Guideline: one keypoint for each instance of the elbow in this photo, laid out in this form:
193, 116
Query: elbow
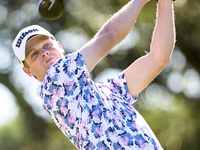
162, 56
163, 61
113, 34
113, 38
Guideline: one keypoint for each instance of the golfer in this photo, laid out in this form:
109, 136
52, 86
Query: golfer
98, 116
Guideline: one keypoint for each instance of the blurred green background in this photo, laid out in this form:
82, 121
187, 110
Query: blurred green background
170, 104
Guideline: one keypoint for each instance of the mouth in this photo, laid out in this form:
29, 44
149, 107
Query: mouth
48, 60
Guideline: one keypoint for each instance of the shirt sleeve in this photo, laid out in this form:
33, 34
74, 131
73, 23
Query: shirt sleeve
76, 68
119, 84
71, 67
66, 77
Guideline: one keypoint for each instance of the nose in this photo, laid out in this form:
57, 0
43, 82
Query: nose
45, 53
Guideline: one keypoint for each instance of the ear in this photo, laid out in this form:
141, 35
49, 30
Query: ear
27, 71
60, 46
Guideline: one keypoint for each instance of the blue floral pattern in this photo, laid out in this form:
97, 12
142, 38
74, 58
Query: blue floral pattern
94, 116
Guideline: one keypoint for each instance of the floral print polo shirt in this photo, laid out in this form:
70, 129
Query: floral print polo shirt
94, 116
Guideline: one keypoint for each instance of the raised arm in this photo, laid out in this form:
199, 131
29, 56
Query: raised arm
111, 33
145, 69
163, 40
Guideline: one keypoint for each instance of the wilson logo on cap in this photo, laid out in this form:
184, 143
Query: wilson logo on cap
23, 35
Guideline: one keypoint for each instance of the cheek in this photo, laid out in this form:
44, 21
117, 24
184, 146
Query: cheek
35, 70
35, 66
60, 50
59, 54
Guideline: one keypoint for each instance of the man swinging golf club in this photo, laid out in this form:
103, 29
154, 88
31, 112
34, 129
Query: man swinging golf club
98, 116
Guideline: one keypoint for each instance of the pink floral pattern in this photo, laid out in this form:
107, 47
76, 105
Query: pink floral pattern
94, 116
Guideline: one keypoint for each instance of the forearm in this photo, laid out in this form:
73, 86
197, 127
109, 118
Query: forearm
163, 40
122, 22
111, 33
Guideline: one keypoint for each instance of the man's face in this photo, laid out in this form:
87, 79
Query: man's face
41, 53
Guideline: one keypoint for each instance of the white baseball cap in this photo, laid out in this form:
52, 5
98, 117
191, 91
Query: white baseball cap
19, 44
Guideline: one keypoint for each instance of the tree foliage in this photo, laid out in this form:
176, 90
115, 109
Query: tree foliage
170, 104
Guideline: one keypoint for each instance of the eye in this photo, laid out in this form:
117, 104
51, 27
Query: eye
47, 45
34, 54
